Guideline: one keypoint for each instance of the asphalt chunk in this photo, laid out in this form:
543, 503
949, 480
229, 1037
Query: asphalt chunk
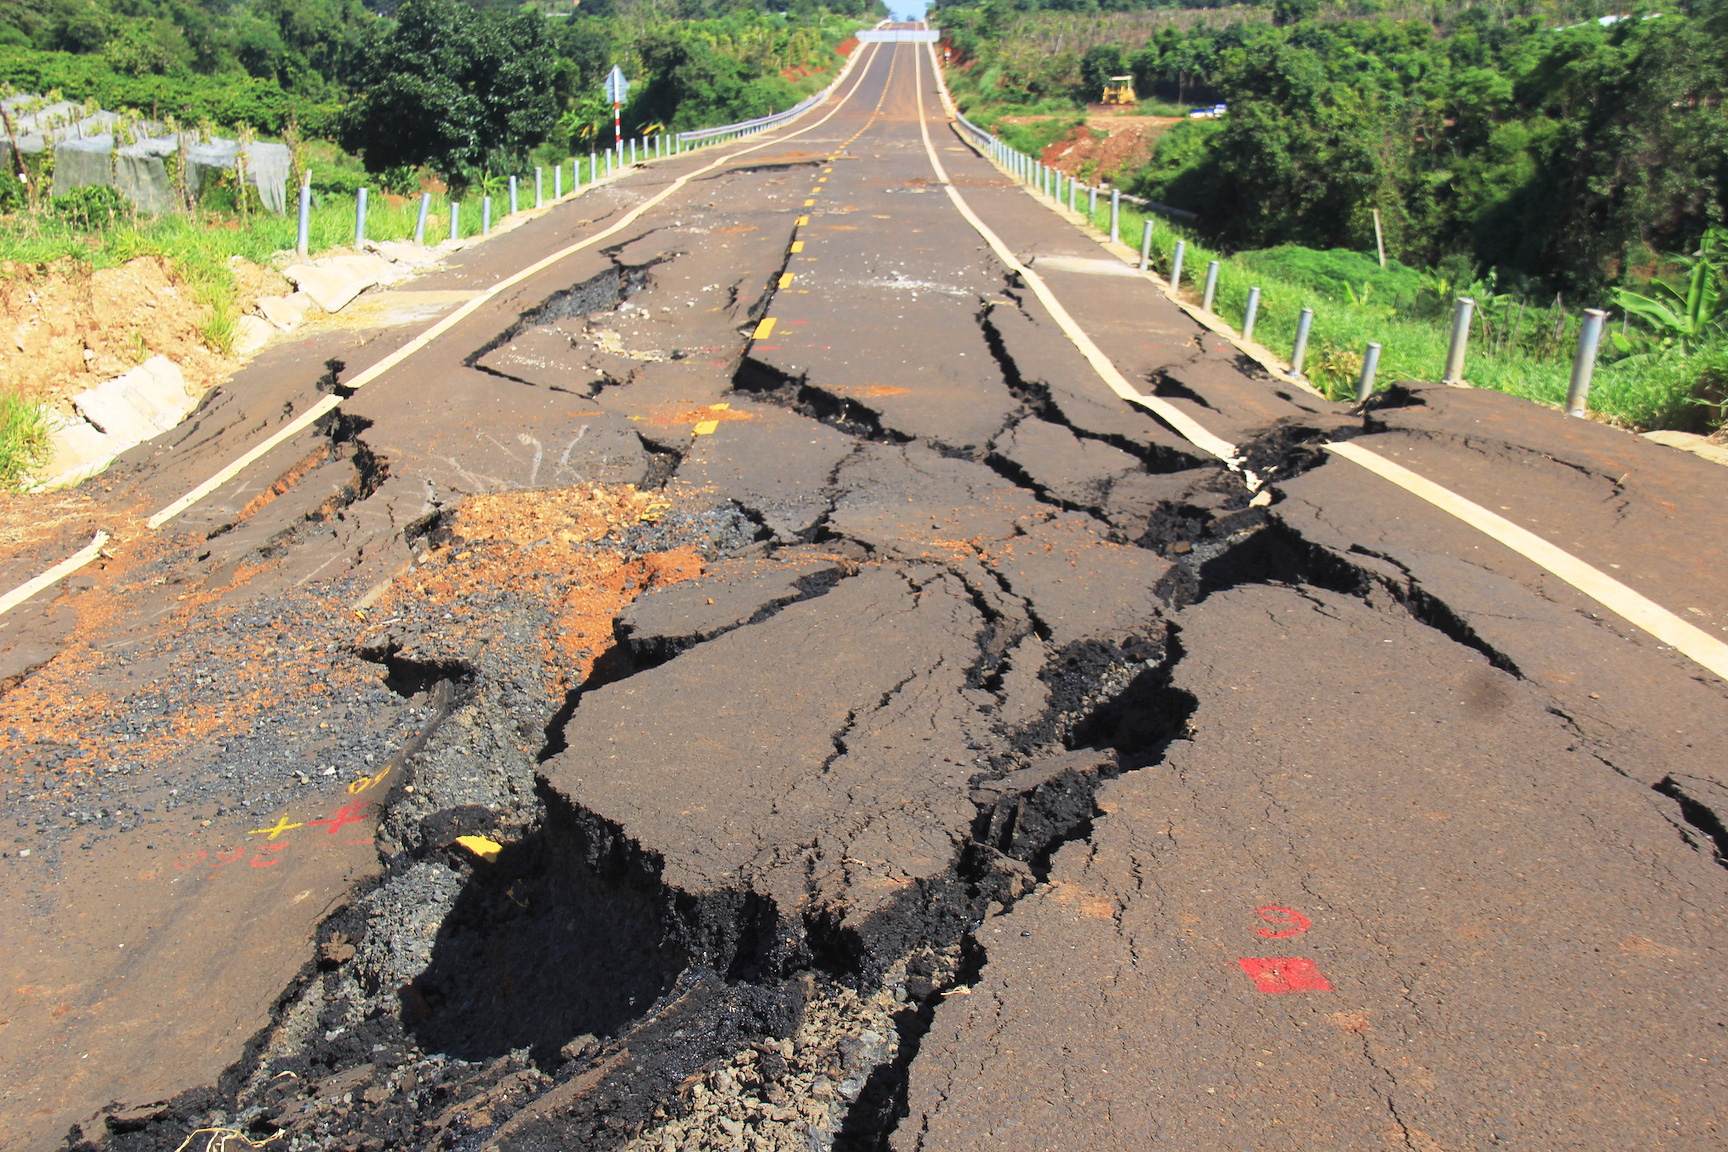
1377, 899
759, 773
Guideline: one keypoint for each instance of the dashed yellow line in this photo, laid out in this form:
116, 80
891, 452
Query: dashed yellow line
785, 279
797, 247
764, 329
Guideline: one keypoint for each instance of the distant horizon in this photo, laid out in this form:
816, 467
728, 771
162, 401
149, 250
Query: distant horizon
908, 10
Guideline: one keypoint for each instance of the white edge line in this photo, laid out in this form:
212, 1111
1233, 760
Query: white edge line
24, 591
1633, 607
1185, 425
468, 309
55, 574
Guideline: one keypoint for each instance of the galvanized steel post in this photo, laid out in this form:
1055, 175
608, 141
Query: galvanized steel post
1176, 264
1370, 365
539, 187
1299, 353
1073, 194
1145, 245
1454, 373
1115, 215
1249, 313
558, 182
1091, 202
455, 220
512, 195
1584, 362
420, 223
632, 151
360, 218
486, 216
1211, 286
304, 235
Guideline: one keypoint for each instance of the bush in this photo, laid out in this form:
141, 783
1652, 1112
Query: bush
11, 192
91, 208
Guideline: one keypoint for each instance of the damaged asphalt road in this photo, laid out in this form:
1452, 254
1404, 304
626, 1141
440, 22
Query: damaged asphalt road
754, 687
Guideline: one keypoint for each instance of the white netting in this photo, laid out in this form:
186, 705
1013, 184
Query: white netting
93, 147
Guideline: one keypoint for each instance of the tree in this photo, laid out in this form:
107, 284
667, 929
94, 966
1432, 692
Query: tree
1097, 66
458, 90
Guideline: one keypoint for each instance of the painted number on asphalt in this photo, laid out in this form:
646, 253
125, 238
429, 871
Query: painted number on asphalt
1286, 921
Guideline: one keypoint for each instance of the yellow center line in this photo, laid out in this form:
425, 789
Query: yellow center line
305, 420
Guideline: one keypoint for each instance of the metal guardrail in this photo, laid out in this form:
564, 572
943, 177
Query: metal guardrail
1025, 169
761, 123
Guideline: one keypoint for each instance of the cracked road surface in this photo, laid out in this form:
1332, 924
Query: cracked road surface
752, 684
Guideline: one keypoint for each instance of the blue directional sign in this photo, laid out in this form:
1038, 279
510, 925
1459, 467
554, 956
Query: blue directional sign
617, 88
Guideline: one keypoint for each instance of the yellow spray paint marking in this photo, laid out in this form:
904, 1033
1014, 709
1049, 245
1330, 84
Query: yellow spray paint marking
808, 203
785, 279
282, 826
365, 782
801, 221
723, 406
706, 428
797, 245
830, 169
486, 849
764, 329
822, 180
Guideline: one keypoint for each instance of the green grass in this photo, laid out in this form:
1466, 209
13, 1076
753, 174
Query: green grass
23, 439
1413, 332
200, 246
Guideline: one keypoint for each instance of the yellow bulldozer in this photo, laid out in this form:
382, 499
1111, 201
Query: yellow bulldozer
1120, 90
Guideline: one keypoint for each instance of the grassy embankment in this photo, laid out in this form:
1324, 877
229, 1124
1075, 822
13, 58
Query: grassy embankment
1522, 350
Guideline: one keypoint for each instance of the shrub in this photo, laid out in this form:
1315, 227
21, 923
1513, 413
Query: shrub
91, 208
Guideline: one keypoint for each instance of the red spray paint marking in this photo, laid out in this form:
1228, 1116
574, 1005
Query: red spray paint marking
348, 815
1284, 974
1290, 922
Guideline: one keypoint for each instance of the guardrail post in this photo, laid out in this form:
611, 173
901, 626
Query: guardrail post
455, 220
1299, 353
360, 218
1211, 286
1115, 215
558, 181
1454, 373
608, 163
593, 167
1145, 245
1176, 265
512, 195
486, 216
539, 187
1073, 194
304, 235
1249, 313
1370, 365
1091, 203
1584, 362
420, 223
632, 151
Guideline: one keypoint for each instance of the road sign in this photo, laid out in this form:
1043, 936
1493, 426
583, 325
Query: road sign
617, 88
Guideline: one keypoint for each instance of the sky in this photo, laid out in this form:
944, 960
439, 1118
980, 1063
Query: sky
907, 9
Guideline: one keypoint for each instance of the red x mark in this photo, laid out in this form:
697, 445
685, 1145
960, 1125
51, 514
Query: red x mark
1284, 974
348, 815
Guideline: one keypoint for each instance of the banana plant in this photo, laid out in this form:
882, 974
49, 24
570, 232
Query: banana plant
1683, 319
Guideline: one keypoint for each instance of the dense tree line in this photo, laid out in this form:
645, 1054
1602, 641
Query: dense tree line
1559, 149
468, 87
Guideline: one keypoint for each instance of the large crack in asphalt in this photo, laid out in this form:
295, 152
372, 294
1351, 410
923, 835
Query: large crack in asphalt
561, 994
